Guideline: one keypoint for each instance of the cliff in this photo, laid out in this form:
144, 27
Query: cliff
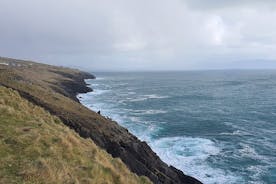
55, 89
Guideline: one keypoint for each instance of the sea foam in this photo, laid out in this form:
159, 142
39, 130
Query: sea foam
190, 155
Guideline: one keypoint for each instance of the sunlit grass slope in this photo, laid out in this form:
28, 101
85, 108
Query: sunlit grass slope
36, 147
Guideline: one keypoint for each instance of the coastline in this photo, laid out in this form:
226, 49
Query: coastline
55, 89
186, 179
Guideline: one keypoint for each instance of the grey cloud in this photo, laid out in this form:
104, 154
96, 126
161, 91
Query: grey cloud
139, 34
224, 4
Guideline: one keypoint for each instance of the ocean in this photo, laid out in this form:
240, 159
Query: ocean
218, 126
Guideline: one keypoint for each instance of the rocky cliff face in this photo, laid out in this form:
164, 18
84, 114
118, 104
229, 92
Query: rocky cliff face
55, 89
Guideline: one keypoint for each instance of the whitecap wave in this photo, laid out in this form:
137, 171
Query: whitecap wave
137, 99
146, 97
257, 173
131, 93
94, 84
99, 78
99, 91
190, 155
236, 132
154, 96
148, 112
249, 152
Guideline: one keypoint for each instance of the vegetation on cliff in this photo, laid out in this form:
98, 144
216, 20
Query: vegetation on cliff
36, 147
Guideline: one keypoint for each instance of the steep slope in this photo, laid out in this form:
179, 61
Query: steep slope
36, 147
54, 88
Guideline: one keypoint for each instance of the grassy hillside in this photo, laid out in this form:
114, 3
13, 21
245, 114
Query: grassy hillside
36, 147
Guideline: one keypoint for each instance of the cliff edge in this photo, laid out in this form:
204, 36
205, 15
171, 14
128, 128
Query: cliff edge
55, 89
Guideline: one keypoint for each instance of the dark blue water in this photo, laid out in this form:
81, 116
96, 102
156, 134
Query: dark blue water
219, 126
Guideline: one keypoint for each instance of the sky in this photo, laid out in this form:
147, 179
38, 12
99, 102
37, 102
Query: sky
127, 35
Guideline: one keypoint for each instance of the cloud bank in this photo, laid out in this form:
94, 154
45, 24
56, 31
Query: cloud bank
141, 34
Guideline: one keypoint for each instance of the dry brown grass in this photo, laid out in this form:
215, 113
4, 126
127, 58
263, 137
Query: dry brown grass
35, 147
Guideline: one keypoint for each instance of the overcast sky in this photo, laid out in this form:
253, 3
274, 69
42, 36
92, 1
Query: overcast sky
141, 34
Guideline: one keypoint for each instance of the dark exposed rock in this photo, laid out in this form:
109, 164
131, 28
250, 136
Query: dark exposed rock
75, 85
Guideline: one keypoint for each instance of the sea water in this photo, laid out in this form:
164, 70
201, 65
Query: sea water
218, 126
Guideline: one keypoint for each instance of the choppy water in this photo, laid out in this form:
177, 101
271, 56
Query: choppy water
219, 126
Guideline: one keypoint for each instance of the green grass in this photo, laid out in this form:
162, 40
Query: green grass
36, 147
